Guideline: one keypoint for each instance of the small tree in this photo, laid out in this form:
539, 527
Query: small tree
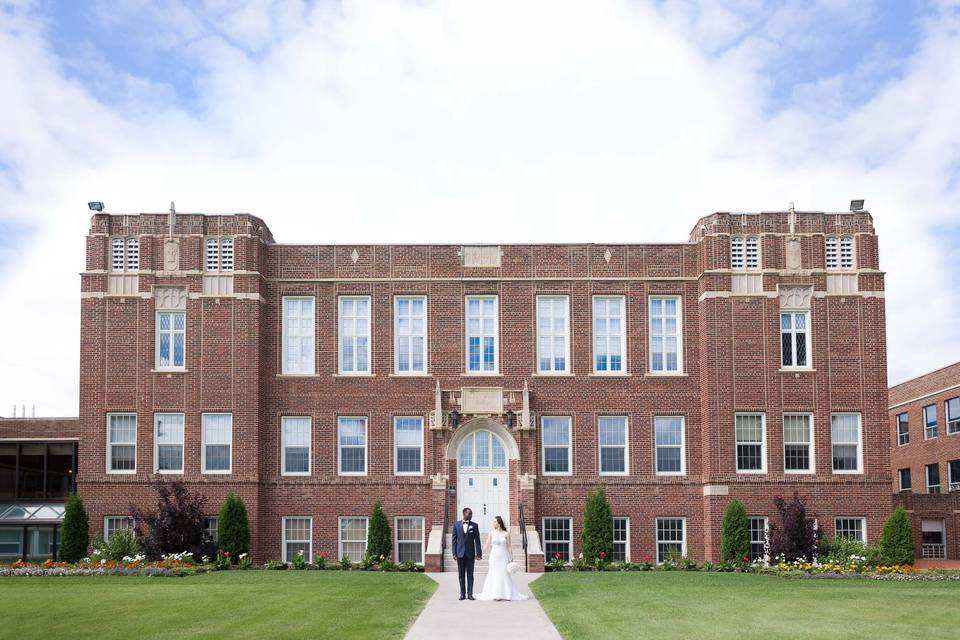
735, 533
378, 535
233, 527
178, 524
896, 541
796, 536
597, 537
75, 532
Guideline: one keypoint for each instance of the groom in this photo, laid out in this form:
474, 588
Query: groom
466, 549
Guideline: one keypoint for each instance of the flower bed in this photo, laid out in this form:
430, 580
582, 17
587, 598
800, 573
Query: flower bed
136, 566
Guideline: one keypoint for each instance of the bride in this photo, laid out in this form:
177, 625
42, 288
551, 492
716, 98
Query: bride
499, 585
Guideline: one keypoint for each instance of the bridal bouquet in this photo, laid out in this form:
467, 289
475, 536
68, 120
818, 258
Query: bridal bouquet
513, 567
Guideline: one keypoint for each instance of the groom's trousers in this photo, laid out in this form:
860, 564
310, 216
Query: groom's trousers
465, 570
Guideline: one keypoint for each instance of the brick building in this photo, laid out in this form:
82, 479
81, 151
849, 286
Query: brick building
925, 458
747, 362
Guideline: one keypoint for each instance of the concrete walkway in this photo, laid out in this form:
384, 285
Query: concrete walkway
447, 617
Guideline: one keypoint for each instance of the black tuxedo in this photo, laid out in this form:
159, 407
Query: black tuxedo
466, 549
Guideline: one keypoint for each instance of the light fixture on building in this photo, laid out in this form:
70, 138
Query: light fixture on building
95, 206
454, 419
510, 417
856, 205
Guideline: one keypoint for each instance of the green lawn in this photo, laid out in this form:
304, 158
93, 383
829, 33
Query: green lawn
235, 604
742, 606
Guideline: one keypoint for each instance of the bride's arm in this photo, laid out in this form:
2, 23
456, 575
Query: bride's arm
486, 548
509, 549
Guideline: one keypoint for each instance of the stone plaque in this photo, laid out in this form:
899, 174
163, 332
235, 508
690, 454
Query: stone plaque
171, 254
482, 400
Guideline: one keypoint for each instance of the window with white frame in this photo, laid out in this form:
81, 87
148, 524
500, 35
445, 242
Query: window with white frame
953, 415
217, 445
671, 539
906, 482
839, 253
121, 443
297, 538
666, 336
621, 540
609, 334
798, 443
352, 435
125, 255
845, 438
612, 438
669, 445
482, 450
933, 477
353, 538
795, 339
850, 529
298, 333
219, 254
112, 524
409, 539
758, 538
953, 474
930, 422
410, 334
171, 339
751, 442
553, 344
354, 335
408, 446
295, 445
211, 528
558, 539
903, 429
556, 445
744, 253
168, 442
482, 321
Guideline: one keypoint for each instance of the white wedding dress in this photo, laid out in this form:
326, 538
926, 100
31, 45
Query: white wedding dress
499, 584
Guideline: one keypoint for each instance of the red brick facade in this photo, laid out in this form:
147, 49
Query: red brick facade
730, 348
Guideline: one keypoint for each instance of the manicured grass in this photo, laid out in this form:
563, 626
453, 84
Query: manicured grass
743, 606
235, 604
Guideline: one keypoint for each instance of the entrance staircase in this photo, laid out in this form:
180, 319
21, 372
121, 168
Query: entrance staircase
516, 543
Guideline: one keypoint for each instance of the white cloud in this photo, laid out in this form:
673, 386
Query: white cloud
450, 121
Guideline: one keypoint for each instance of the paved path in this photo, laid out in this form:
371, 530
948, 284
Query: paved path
447, 617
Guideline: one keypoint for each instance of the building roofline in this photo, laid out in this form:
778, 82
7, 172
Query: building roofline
924, 375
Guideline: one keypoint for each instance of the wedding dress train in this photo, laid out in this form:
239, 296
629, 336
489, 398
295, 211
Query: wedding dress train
499, 584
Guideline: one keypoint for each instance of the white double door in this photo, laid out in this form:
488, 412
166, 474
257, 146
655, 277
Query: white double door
487, 493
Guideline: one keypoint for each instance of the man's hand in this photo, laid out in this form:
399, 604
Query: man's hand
480, 557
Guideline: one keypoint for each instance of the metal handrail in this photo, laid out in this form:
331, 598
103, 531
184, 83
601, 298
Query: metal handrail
523, 539
446, 524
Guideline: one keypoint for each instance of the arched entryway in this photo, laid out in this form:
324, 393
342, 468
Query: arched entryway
483, 451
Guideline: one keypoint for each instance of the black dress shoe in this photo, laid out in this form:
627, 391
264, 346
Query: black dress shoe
463, 597
470, 597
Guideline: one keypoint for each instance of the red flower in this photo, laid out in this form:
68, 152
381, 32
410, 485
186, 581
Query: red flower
647, 558
603, 554
323, 555
226, 554
746, 558
557, 555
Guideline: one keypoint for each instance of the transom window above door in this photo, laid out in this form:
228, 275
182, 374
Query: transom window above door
482, 450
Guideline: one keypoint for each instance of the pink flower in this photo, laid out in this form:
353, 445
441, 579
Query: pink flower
557, 555
603, 555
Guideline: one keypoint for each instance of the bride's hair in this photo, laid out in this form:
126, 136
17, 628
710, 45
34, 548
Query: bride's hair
500, 523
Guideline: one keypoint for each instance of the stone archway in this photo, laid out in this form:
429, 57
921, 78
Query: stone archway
483, 449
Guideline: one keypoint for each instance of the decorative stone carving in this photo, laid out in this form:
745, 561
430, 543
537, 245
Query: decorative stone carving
481, 256
439, 481
354, 256
436, 416
795, 297
487, 400
607, 255
527, 482
170, 298
526, 418
794, 254
171, 254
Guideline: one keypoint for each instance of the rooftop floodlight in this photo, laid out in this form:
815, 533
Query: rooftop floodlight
95, 206
856, 205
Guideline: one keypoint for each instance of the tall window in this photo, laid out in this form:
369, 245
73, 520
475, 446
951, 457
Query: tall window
353, 538
930, 422
798, 443
410, 334
609, 335
354, 334
125, 255
758, 539
297, 538
612, 432
850, 528
482, 349
953, 415
556, 445
744, 253
409, 539
621, 540
668, 435
845, 434
933, 478
168, 442
219, 254
112, 524
295, 433
353, 446
408, 446
211, 527
795, 339
903, 429
666, 337
298, 327
553, 346
953, 474
217, 434
121, 443
557, 538
671, 539
905, 480
751, 442
171, 339
839, 253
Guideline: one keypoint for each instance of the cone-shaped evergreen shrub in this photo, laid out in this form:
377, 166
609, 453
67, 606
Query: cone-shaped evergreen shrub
75, 532
735, 533
378, 535
233, 528
597, 527
896, 542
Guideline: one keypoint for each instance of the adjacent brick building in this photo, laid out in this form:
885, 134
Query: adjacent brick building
312, 380
925, 458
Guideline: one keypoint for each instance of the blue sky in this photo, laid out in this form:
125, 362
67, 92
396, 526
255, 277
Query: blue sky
394, 121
